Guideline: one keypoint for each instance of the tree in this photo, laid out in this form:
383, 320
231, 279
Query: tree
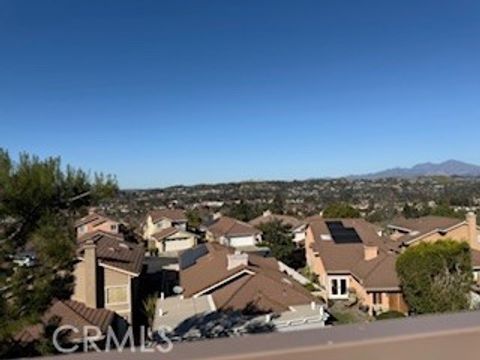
149, 308
243, 211
40, 198
279, 238
340, 210
194, 219
278, 204
436, 277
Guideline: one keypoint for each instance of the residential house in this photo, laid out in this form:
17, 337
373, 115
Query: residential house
96, 222
409, 232
297, 227
166, 231
158, 220
239, 281
354, 262
107, 273
352, 259
173, 239
232, 232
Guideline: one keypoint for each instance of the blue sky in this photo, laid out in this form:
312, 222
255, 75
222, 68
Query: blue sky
183, 92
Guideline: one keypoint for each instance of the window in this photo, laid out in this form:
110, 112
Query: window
377, 298
116, 295
113, 227
338, 287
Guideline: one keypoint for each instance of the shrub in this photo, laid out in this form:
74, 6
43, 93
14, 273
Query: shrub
390, 315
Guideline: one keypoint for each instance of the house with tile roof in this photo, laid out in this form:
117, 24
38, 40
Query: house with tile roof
157, 220
409, 232
354, 262
96, 222
239, 281
107, 273
166, 230
297, 227
232, 232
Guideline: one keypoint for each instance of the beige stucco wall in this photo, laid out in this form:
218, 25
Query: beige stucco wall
460, 233
79, 286
116, 278
179, 241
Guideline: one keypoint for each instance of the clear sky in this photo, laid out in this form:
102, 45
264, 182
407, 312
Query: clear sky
182, 92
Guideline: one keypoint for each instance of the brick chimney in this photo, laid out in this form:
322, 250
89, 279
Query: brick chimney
472, 230
90, 266
370, 252
236, 259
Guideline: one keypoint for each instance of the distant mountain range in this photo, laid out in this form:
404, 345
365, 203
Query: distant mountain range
447, 168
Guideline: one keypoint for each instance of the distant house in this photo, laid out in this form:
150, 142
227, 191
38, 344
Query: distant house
96, 222
353, 262
73, 314
232, 232
158, 220
166, 230
297, 227
173, 239
407, 232
239, 281
107, 273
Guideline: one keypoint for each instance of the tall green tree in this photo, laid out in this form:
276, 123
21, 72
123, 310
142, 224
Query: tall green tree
279, 238
38, 201
436, 277
340, 210
243, 211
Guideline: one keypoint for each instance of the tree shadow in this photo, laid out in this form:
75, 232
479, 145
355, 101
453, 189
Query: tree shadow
224, 323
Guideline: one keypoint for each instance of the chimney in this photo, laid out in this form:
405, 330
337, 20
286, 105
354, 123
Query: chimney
217, 215
370, 252
236, 259
472, 230
90, 264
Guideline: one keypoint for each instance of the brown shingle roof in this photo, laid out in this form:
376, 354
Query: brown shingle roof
171, 214
423, 225
113, 251
227, 226
164, 233
260, 283
71, 313
284, 219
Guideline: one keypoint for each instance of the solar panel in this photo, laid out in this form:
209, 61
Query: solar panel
189, 257
342, 234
